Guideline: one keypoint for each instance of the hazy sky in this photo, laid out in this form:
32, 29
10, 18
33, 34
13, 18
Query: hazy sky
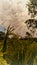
14, 12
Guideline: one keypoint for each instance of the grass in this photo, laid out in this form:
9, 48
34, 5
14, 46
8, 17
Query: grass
21, 51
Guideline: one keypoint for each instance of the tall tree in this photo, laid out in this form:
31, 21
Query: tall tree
32, 7
32, 10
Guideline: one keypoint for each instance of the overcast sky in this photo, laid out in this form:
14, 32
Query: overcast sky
14, 12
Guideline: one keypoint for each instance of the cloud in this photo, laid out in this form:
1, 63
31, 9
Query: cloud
15, 13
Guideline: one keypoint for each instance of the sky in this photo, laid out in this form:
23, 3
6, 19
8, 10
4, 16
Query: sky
14, 12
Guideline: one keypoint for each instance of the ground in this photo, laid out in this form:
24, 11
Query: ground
23, 51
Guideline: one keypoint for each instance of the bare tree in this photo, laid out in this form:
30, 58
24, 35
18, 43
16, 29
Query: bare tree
9, 31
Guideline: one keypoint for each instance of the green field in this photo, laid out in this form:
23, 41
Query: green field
19, 52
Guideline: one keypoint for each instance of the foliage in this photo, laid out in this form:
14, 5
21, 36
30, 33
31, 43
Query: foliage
32, 7
3, 61
32, 26
32, 23
20, 51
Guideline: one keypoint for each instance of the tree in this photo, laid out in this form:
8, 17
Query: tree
32, 22
32, 7
9, 31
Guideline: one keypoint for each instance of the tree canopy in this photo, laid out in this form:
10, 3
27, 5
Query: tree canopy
32, 22
32, 7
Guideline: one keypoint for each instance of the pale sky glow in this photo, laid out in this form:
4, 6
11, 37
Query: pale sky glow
14, 12
21, 3
10, 9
